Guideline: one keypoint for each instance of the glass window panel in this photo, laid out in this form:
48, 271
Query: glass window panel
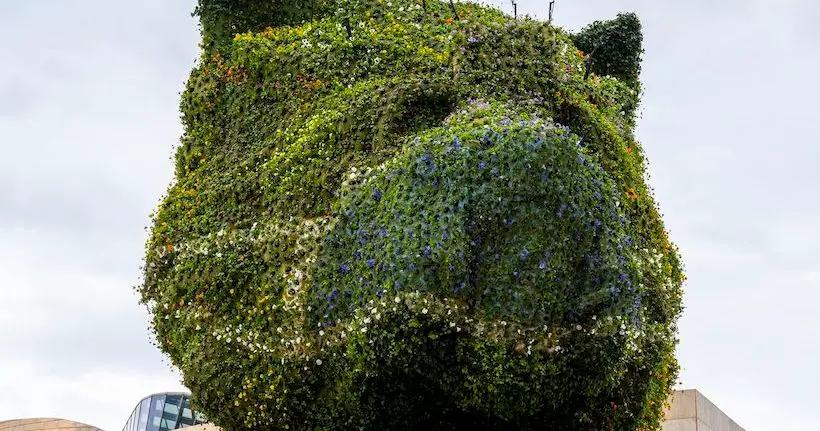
142, 423
159, 402
170, 416
133, 418
186, 413
155, 422
172, 408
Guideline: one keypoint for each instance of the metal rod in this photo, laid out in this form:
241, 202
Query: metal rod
515, 9
453, 7
552, 6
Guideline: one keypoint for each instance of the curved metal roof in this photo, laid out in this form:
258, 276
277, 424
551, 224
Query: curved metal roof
45, 424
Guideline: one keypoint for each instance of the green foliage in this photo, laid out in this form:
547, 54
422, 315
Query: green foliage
614, 47
427, 223
222, 19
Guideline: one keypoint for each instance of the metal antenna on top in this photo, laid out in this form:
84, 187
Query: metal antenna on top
552, 7
515, 9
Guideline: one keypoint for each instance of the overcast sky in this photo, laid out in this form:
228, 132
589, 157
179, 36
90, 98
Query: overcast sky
89, 116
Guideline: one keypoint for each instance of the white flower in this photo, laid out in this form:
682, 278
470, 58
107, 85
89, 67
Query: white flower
318, 362
423, 311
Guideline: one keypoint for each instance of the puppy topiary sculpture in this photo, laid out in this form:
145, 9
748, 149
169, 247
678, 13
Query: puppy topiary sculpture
387, 216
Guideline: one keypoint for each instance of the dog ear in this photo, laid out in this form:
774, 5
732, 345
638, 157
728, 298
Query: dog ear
221, 20
613, 47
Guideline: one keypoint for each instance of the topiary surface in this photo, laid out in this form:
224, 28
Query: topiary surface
385, 217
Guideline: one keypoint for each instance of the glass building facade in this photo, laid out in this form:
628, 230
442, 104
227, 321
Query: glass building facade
163, 412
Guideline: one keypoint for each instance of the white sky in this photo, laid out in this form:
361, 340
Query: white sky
88, 117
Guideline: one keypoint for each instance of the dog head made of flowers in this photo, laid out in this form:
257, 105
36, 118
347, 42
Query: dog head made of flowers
413, 215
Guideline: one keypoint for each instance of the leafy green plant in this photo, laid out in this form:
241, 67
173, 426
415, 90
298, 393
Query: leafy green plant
390, 216
613, 47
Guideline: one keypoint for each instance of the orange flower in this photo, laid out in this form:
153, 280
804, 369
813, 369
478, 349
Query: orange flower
449, 20
632, 195
628, 149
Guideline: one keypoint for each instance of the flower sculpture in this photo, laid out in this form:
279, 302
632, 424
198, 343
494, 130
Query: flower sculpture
388, 215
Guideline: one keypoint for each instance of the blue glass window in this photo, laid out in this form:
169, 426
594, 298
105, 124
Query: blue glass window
163, 412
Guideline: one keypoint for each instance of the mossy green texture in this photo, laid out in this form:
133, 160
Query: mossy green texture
389, 217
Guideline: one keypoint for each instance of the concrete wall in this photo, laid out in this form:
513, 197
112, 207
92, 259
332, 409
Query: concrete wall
691, 411
45, 424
